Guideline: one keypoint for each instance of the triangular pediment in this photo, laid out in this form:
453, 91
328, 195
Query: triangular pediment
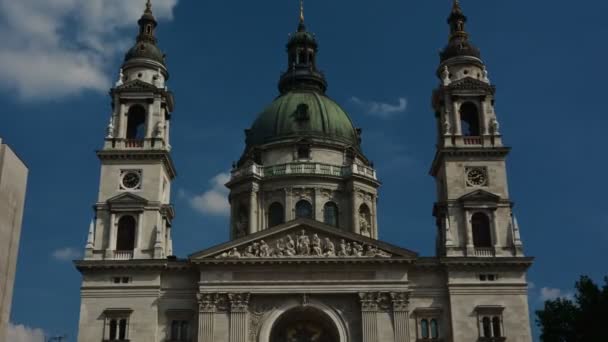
480, 196
303, 239
470, 83
137, 84
127, 199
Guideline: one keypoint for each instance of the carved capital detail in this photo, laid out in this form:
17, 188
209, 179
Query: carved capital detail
206, 302
401, 301
369, 301
239, 302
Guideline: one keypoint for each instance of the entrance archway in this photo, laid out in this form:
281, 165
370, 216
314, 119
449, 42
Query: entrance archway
304, 324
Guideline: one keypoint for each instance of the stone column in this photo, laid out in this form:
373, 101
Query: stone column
239, 308
206, 317
355, 212
469, 228
318, 205
456, 111
112, 236
369, 316
495, 232
401, 316
253, 204
374, 231
150, 119
289, 205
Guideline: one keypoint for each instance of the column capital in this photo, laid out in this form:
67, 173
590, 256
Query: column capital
401, 301
369, 301
239, 302
206, 302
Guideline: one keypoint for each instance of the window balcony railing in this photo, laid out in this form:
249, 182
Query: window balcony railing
123, 255
472, 140
134, 143
304, 169
484, 251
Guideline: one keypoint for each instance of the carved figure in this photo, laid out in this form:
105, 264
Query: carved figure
160, 130
316, 246
290, 246
121, 78
279, 249
357, 249
330, 248
370, 251
264, 249
447, 128
445, 76
364, 225
249, 252
234, 253
486, 78
342, 249
303, 244
495, 126
110, 129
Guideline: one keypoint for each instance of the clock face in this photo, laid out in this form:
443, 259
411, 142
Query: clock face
131, 180
477, 177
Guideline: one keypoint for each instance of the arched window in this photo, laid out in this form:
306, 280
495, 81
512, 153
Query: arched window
136, 120
487, 329
496, 327
434, 329
365, 220
330, 214
125, 240
469, 119
424, 328
302, 57
481, 230
304, 210
276, 215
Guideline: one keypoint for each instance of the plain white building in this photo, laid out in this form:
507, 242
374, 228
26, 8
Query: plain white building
304, 262
13, 181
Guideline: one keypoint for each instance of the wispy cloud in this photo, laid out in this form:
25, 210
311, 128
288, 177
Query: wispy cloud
66, 254
215, 200
381, 109
549, 293
57, 48
21, 333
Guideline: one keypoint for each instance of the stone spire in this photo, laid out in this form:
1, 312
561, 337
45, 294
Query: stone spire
302, 72
458, 44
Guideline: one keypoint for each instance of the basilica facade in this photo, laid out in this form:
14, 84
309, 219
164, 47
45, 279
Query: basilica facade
304, 262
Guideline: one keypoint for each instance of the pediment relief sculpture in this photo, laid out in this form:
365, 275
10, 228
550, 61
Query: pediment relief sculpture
304, 245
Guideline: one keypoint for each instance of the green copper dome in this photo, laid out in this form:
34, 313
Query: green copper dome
146, 50
300, 114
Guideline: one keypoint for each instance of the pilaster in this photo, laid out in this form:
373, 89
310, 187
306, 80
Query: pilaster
369, 316
239, 309
206, 317
401, 316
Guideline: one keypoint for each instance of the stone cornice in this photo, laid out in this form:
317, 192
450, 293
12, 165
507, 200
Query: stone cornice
484, 152
150, 264
157, 155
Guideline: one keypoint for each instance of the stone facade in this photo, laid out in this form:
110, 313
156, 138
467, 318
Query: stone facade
13, 180
304, 262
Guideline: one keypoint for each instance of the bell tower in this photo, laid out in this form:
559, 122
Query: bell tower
473, 211
133, 213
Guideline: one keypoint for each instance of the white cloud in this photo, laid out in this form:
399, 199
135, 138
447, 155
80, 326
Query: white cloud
381, 109
57, 48
66, 254
215, 200
548, 293
21, 333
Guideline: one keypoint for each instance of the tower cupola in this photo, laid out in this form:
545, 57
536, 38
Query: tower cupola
146, 47
459, 44
302, 72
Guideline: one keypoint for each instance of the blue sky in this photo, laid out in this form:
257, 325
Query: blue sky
59, 57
